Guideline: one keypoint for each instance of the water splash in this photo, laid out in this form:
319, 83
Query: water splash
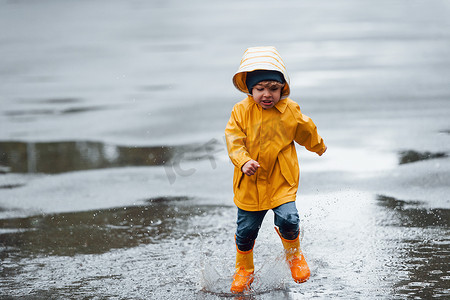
272, 276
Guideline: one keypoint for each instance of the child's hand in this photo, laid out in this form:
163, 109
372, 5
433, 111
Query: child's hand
250, 167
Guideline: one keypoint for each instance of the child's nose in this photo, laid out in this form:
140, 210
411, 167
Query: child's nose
267, 93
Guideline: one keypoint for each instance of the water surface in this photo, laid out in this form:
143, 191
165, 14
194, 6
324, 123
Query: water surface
114, 177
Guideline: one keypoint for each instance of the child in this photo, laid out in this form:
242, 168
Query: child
260, 139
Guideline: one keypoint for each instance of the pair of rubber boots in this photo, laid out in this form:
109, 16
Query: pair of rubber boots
243, 276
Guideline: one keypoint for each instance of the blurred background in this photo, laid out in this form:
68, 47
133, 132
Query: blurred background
114, 176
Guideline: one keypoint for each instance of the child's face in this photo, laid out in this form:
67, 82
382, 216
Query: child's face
267, 93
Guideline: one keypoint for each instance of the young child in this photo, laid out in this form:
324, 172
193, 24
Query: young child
260, 139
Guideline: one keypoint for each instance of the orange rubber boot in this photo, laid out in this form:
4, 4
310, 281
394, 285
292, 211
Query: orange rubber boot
295, 258
243, 276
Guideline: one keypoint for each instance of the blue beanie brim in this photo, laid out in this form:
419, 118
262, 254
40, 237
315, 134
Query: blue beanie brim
253, 78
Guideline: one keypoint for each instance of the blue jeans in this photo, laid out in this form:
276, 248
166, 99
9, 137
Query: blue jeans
249, 222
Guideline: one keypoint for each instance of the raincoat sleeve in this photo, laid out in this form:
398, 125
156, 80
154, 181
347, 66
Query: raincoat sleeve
306, 133
235, 137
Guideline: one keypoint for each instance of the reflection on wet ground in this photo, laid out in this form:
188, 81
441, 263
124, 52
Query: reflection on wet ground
141, 251
59, 157
425, 249
93, 232
413, 156
21, 113
427, 264
10, 186
59, 106
143, 247
409, 213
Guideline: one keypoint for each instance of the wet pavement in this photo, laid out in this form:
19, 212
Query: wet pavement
114, 177
68, 156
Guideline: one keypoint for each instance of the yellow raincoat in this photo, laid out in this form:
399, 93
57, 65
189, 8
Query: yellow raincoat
267, 136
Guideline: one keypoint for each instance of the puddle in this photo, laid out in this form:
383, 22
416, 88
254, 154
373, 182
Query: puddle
32, 112
53, 106
391, 202
11, 186
424, 248
426, 262
97, 231
60, 157
139, 252
411, 214
410, 156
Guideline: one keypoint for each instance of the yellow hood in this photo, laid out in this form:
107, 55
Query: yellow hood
260, 58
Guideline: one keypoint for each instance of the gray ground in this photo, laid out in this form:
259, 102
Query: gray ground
114, 177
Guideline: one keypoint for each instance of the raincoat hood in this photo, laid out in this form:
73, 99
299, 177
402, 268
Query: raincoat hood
260, 58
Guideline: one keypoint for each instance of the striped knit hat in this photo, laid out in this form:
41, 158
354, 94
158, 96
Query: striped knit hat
260, 58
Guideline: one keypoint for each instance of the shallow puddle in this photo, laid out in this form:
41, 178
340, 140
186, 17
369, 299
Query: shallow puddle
411, 156
67, 254
60, 157
425, 247
176, 248
412, 214
94, 232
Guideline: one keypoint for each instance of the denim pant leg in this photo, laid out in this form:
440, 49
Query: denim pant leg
248, 225
287, 220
